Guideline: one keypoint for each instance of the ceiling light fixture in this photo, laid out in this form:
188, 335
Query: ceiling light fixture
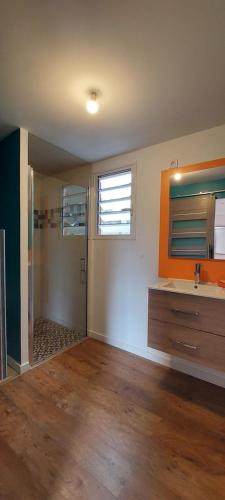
92, 105
177, 176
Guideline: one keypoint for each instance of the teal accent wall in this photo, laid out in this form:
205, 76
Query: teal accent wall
10, 221
188, 189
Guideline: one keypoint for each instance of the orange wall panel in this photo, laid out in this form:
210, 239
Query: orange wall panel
212, 270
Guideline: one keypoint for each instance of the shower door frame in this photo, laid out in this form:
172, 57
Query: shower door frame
31, 263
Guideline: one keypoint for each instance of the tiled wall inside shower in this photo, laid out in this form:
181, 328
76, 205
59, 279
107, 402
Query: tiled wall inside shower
50, 218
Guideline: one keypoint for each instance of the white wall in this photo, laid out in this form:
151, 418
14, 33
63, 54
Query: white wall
120, 271
78, 175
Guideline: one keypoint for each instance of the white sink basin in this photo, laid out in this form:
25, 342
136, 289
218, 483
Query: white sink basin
189, 287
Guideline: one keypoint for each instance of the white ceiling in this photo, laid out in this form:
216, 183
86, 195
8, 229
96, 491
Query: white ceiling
46, 158
159, 65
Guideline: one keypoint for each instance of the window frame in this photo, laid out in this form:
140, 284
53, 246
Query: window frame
132, 235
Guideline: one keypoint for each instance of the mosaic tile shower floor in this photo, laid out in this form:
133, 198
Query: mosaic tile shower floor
50, 337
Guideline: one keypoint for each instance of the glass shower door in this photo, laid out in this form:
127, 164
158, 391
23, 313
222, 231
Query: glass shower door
59, 267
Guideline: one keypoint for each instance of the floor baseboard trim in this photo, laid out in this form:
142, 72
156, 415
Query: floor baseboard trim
19, 368
193, 369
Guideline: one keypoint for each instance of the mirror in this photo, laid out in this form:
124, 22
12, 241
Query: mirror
197, 214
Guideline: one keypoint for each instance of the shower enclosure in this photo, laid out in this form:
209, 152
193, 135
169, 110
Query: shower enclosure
57, 264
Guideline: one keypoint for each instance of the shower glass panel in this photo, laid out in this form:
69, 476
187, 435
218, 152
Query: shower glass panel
59, 265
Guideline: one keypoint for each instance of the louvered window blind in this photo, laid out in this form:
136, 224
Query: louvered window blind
114, 204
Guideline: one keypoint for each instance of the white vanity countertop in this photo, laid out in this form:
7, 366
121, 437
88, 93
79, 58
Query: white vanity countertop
188, 287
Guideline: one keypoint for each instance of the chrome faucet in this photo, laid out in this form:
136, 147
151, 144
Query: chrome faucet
197, 274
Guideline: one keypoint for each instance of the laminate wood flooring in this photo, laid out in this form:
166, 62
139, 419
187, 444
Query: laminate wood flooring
97, 423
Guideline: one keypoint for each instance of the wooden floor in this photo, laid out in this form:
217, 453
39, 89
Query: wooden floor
97, 423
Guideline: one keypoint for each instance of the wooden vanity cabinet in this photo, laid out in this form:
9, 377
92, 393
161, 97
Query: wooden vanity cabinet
188, 326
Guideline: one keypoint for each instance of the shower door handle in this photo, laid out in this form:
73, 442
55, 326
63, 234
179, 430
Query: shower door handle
3, 348
83, 271
83, 268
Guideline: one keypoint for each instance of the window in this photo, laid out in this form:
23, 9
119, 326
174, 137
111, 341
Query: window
74, 211
114, 203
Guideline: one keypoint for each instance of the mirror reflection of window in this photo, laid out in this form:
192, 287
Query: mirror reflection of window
74, 211
197, 214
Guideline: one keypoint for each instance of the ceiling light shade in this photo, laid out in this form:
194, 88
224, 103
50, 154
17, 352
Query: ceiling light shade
177, 176
92, 105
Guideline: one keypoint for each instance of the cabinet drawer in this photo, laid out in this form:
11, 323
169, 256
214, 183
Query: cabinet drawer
200, 313
187, 343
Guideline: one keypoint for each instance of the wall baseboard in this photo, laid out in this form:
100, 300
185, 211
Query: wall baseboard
17, 366
188, 367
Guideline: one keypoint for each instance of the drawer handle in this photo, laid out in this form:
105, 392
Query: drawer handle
183, 344
182, 311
